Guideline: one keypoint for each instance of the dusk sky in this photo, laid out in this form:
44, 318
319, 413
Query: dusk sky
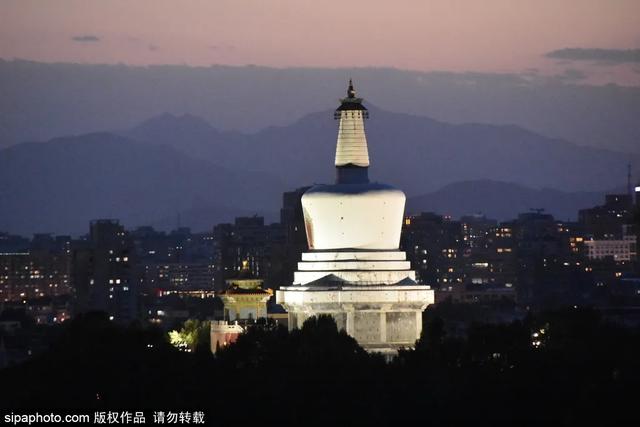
485, 36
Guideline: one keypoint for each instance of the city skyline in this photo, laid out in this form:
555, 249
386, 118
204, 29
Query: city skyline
363, 212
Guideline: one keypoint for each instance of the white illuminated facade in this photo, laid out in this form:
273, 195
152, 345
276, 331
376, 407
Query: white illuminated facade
618, 250
351, 148
354, 270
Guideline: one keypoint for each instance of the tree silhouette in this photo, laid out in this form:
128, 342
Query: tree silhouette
582, 374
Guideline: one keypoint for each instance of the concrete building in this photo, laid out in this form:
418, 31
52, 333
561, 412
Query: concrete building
25, 276
103, 269
185, 278
248, 239
606, 221
620, 250
470, 261
10, 244
354, 270
435, 246
611, 229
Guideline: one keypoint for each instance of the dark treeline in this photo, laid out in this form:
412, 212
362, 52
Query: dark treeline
567, 367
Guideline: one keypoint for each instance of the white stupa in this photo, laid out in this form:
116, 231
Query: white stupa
354, 270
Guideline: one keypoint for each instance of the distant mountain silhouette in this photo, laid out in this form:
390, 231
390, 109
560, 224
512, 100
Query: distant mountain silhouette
501, 200
417, 154
60, 185
188, 133
40, 101
172, 165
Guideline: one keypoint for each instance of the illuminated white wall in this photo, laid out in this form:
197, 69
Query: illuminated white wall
367, 219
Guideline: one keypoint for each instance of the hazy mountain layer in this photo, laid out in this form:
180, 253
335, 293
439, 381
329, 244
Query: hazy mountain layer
60, 185
181, 166
415, 153
40, 101
501, 200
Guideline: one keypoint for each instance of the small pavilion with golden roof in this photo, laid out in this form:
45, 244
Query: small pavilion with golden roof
244, 301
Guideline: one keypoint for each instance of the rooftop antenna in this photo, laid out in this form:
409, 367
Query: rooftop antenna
629, 189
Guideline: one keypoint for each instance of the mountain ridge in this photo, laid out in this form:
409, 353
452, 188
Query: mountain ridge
60, 185
172, 165
436, 152
502, 200
252, 98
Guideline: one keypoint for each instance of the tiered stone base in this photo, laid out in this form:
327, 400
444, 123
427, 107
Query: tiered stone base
372, 295
356, 267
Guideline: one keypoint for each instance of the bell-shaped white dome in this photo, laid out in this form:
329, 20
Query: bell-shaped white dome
353, 216
353, 213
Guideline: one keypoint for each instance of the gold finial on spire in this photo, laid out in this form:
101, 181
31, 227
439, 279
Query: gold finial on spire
351, 93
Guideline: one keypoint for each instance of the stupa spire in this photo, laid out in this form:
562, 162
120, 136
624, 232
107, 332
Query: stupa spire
351, 147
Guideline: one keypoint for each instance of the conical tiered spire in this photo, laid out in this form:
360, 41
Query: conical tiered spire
351, 148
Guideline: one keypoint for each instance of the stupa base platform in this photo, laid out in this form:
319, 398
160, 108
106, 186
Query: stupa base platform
382, 318
364, 267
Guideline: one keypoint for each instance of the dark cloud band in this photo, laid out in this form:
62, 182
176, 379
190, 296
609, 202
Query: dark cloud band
613, 56
86, 38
